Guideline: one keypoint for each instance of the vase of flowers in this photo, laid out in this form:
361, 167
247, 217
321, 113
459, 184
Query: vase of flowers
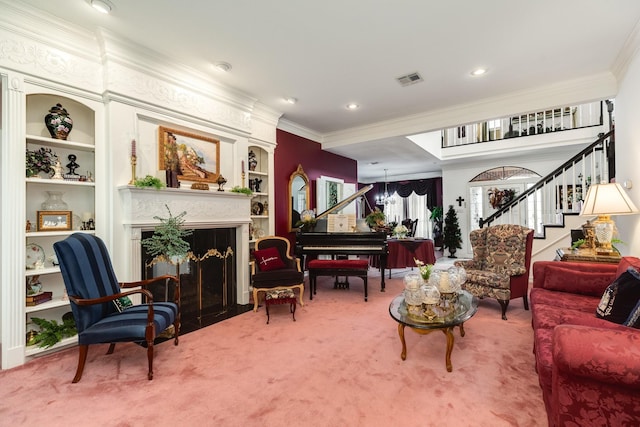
307, 221
40, 160
58, 122
400, 231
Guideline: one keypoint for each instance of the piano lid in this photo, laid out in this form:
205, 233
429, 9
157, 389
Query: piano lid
343, 203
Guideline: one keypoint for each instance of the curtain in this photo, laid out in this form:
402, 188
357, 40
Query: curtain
417, 208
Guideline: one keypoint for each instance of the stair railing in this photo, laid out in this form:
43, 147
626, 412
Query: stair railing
561, 191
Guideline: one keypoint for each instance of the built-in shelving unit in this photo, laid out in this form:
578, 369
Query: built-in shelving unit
260, 209
78, 194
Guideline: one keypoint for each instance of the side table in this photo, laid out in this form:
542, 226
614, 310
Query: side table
567, 254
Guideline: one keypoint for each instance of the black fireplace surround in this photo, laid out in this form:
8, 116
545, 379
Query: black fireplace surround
207, 283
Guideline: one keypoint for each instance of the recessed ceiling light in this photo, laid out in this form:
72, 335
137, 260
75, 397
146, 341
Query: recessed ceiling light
290, 100
352, 106
222, 66
478, 71
102, 6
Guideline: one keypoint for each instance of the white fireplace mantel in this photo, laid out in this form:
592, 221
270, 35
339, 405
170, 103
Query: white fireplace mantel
204, 209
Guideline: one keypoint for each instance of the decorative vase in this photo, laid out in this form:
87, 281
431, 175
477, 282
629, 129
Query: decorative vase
54, 202
58, 122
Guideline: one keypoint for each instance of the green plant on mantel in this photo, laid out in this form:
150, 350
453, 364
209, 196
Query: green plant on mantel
243, 190
149, 181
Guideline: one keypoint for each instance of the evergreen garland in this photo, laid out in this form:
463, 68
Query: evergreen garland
168, 238
452, 236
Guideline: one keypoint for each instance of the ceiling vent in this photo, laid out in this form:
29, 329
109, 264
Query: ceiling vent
409, 79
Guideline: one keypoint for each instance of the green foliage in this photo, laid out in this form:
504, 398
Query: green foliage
578, 243
52, 332
149, 181
168, 238
436, 213
41, 160
375, 218
243, 190
452, 235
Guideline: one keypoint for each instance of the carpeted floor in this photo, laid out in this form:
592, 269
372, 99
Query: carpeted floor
337, 365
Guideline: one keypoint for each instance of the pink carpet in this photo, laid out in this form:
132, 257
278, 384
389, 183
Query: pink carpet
337, 365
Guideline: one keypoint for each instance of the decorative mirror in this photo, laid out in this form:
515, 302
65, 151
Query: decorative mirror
298, 196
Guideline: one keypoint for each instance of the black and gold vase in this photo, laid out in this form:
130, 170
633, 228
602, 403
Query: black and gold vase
58, 122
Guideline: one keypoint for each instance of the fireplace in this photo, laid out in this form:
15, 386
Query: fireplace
207, 277
214, 286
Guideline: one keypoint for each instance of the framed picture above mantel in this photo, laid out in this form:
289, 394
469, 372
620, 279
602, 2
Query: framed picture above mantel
192, 156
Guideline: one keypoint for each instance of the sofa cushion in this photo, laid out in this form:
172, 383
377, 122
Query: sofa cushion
620, 298
268, 259
549, 317
585, 283
566, 300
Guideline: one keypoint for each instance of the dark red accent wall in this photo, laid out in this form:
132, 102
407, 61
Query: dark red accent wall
293, 150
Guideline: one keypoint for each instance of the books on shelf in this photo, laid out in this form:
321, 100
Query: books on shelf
39, 298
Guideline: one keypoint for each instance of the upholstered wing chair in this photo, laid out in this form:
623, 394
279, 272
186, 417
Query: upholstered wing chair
500, 265
101, 314
274, 268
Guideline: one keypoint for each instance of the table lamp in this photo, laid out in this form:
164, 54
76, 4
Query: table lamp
605, 200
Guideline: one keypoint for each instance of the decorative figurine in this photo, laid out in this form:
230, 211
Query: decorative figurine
253, 160
72, 165
57, 168
221, 182
256, 184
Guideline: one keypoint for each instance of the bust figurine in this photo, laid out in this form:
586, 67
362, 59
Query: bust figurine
72, 165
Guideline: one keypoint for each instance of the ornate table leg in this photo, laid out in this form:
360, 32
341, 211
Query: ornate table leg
461, 329
403, 355
449, 333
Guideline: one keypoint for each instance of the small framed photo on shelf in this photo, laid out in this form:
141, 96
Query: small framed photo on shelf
54, 220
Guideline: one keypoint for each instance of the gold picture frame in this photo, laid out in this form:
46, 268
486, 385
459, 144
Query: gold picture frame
54, 221
194, 157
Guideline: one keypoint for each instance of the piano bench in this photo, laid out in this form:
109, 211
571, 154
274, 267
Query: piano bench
337, 268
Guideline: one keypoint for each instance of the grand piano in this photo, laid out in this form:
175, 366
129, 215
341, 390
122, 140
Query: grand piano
322, 242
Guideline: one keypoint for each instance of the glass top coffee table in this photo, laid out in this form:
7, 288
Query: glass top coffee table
463, 307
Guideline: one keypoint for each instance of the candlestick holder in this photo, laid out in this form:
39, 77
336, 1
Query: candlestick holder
243, 175
133, 170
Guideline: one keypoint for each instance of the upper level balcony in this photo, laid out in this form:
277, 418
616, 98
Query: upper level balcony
526, 124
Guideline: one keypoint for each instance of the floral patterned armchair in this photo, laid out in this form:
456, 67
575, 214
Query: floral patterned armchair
500, 265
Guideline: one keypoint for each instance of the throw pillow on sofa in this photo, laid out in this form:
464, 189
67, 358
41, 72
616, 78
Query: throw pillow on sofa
558, 278
620, 298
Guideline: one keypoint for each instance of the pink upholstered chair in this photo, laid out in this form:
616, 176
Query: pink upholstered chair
500, 265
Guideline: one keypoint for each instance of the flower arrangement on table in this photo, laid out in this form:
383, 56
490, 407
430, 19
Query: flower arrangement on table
40, 160
424, 269
400, 231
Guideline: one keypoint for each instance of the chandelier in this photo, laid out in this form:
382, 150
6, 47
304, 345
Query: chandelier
385, 199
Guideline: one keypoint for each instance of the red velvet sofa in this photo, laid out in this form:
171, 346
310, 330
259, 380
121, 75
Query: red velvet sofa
588, 367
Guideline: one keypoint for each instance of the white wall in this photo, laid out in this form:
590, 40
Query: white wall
627, 114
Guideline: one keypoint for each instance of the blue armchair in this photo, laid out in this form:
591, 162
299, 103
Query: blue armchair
95, 296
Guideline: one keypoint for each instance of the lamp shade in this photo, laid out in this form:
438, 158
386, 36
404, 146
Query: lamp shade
607, 199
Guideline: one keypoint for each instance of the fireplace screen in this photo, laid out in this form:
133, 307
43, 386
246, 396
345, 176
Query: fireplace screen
207, 277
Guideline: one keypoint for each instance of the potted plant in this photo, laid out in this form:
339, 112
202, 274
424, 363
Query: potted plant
452, 239
242, 190
375, 219
40, 160
167, 244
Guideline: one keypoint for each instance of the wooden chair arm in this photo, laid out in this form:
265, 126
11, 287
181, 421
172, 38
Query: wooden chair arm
146, 282
108, 298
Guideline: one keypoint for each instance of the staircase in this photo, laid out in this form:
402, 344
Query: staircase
551, 206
